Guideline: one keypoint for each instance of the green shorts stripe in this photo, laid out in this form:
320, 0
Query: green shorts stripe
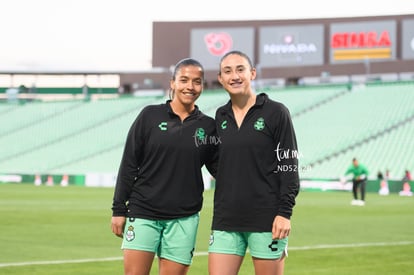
260, 244
169, 239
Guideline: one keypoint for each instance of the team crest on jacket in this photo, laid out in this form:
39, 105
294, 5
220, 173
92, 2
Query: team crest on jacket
130, 234
259, 125
200, 134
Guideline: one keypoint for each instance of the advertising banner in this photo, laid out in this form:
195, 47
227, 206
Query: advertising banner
363, 41
209, 45
407, 39
291, 46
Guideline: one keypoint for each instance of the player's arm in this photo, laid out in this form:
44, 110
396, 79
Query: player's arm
127, 175
118, 225
288, 181
280, 228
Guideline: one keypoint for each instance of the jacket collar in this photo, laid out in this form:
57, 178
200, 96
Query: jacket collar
260, 100
196, 110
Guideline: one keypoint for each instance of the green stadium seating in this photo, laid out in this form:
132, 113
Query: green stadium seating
374, 123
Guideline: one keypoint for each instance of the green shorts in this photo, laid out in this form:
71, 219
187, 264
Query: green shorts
260, 244
169, 239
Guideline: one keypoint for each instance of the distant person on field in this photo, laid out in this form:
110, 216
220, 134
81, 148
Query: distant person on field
407, 176
383, 183
406, 187
359, 180
159, 189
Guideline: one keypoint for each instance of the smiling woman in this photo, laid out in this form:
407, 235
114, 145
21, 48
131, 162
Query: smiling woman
159, 187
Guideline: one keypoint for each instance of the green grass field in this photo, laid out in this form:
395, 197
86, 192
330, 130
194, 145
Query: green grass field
66, 230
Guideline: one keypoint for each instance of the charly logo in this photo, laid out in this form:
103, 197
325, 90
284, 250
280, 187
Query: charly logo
273, 246
130, 234
163, 126
224, 125
259, 125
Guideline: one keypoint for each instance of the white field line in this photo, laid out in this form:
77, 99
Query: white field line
205, 253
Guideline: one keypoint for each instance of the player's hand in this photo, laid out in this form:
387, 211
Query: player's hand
281, 228
118, 225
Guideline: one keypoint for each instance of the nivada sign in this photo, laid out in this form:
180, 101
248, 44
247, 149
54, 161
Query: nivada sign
291, 45
408, 39
361, 41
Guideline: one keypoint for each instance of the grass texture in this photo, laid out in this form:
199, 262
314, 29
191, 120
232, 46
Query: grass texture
66, 230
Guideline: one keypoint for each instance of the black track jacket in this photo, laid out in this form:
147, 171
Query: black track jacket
257, 175
160, 172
